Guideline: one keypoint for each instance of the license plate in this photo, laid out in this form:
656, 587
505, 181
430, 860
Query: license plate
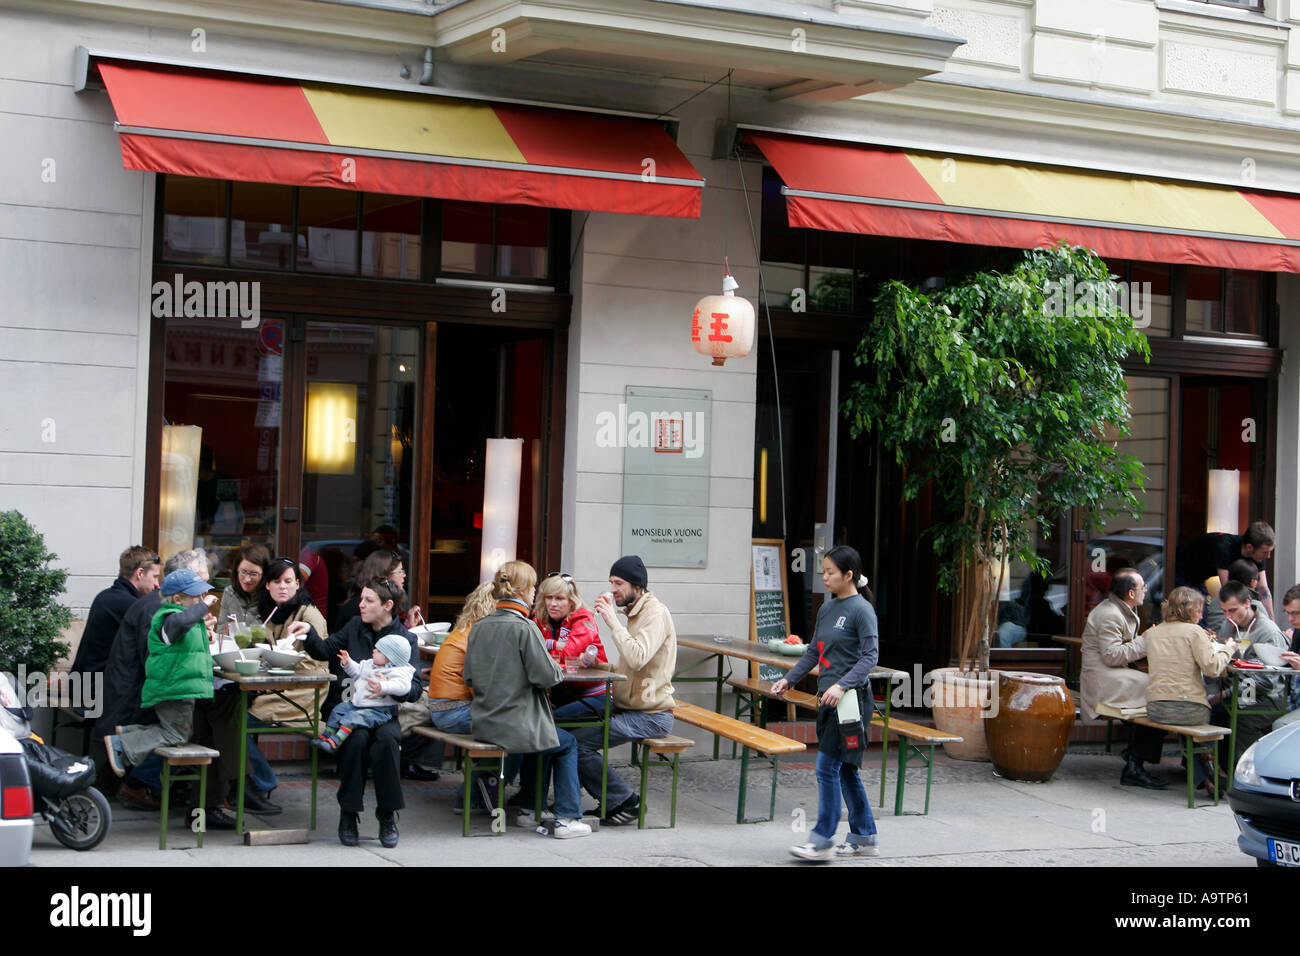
1284, 854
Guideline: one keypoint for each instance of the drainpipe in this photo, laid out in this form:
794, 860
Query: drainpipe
426, 78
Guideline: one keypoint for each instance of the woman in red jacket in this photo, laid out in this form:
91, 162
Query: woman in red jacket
570, 632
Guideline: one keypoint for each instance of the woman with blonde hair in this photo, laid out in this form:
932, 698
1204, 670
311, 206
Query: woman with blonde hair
569, 633
1179, 652
509, 671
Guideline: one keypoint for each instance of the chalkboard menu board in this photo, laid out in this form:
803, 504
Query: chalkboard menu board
769, 612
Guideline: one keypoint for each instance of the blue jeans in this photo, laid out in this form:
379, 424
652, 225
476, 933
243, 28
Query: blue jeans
260, 774
624, 725
833, 777
345, 715
454, 721
148, 772
564, 760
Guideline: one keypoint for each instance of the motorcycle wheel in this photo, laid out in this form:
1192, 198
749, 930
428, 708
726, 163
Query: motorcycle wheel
81, 821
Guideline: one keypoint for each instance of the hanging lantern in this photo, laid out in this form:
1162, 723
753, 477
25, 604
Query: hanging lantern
723, 325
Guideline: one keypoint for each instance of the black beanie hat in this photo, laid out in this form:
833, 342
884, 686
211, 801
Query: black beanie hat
631, 569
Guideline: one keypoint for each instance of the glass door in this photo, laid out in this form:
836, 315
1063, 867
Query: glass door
359, 395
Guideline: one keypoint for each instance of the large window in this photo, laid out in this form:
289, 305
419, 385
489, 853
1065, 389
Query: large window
305, 229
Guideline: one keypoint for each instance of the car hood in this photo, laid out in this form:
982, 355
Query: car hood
1278, 754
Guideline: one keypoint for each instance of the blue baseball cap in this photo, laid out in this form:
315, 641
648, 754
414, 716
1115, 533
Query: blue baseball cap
184, 581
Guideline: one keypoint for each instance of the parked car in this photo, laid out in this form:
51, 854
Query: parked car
16, 825
1265, 797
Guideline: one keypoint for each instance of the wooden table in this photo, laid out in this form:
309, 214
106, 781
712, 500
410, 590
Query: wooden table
757, 653
267, 683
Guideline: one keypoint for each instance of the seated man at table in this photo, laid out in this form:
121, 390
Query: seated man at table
1110, 644
1247, 621
643, 704
1247, 572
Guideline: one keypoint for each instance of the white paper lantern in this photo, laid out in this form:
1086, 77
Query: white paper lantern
722, 326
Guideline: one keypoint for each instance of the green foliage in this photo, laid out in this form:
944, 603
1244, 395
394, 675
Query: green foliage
1008, 397
31, 619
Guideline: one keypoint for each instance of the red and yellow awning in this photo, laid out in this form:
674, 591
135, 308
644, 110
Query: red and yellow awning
259, 129
847, 187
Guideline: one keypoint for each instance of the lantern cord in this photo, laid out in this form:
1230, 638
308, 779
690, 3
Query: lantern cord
771, 341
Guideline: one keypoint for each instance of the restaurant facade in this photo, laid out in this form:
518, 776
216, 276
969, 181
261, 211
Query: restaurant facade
281, 273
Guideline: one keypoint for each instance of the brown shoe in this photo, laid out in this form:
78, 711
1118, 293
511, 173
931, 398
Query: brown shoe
137, 798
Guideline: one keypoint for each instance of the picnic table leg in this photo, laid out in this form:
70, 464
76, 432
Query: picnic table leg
645, 770
499, 823
771, 810
884, 741
1189, 756
166, 782
903, 747
315, 754
1232, 726
929, 776
540, 795
744, 783
717, 707
604, 756
467, 771
672, 818
243, 758
203, 796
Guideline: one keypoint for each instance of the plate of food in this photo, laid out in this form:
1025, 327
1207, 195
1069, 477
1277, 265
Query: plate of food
790, 647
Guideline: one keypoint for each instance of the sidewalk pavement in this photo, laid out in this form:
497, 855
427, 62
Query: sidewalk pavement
1082, 817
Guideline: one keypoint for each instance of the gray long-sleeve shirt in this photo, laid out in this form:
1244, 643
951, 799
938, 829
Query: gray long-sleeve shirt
845, 645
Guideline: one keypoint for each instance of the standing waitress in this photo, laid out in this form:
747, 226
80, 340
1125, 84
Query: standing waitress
846, 646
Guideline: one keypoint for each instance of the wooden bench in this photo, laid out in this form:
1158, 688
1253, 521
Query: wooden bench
771, 746
474, 751
662, 748
1193, 739
751, 691
186, 755
913, 737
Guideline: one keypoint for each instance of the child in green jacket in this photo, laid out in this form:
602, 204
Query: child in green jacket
177, 672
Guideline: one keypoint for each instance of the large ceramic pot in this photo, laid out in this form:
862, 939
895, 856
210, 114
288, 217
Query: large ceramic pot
960, 701
1029, 733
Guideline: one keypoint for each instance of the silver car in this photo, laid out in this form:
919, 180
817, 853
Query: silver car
15, 803
1265, 797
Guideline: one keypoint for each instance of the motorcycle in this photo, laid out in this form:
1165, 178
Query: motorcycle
78, 814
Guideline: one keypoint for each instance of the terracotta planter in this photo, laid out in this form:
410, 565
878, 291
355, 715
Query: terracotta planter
1028, 735
959, 704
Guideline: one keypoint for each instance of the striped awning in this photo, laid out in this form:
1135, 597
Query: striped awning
261, 129
847, 187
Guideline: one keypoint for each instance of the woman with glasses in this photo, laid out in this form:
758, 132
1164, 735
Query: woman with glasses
569, 631
242, 596
377, 748
386, 565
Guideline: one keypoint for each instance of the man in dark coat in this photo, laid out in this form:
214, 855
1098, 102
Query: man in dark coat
137, 575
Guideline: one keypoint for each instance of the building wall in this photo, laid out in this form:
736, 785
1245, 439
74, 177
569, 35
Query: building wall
73, 335
636, 282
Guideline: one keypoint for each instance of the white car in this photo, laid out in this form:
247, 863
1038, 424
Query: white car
15, 803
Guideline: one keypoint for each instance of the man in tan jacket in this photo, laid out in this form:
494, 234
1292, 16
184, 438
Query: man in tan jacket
643, 704
1110, 643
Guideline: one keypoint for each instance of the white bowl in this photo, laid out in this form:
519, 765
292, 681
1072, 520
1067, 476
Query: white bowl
285, 659
226, 659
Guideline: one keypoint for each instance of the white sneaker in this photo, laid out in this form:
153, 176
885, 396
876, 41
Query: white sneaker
568, 829
810, 851
526, 819
855, 849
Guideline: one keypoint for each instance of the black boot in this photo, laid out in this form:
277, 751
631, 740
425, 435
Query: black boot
348, 828
1135, 776
387, 829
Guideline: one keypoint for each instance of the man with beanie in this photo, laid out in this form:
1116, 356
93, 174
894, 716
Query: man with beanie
643, 704
375, 686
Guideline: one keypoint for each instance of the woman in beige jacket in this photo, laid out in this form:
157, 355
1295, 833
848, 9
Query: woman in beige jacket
1179, 652
286, 601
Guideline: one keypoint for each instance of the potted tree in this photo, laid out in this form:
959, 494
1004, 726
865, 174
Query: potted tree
1005, 394
31, 619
